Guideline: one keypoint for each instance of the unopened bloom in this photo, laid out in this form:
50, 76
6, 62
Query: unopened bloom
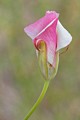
48, 36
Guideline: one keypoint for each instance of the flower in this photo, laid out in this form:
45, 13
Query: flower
48, 36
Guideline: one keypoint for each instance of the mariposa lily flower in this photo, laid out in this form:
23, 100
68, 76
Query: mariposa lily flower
48, 36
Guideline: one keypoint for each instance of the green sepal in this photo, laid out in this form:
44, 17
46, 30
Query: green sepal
47, 70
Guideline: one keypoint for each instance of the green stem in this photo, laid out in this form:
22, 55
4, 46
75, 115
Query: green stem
46, 84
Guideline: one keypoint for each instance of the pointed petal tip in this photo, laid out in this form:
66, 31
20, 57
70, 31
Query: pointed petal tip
29, 32
25, 29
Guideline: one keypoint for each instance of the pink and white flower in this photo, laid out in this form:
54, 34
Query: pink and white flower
54, 36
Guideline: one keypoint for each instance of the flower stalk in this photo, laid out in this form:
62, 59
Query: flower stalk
45, 87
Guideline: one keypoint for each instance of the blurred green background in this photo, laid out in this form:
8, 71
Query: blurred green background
20, 79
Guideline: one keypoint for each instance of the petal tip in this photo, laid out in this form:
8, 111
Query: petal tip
52, 12
25, 29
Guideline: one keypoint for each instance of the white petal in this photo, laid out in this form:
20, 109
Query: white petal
63, 36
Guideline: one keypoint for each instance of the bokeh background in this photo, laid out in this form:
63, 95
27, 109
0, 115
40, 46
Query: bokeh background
20, 78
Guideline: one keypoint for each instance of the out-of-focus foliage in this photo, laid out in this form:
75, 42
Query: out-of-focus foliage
20, 78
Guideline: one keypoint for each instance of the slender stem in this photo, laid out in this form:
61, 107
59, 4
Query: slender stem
46, 84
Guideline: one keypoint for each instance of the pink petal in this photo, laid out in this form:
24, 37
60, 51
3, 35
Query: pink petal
63, 37
49, 36
34, 29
